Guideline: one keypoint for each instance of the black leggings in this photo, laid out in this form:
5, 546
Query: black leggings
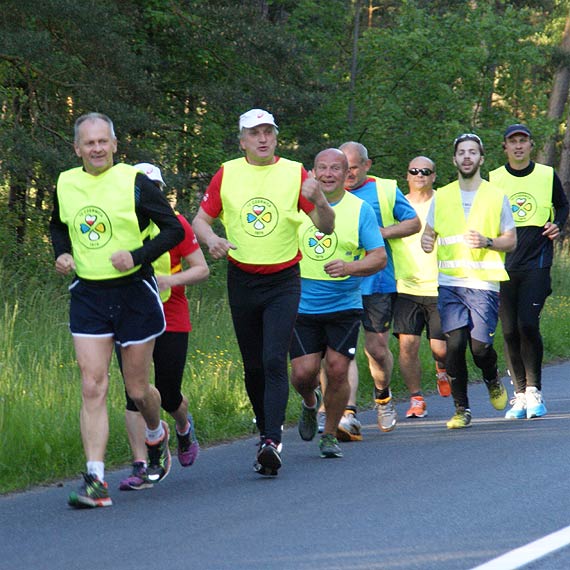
484, 356
264, 308
169, 357
522, 300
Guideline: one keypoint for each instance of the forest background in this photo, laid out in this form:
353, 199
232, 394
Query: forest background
402, 77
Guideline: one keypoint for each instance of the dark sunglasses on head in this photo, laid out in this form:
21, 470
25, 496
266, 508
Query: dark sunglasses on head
423, 171
467, 137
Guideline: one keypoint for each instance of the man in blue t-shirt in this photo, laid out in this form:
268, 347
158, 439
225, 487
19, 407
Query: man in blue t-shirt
331, 304
395, 218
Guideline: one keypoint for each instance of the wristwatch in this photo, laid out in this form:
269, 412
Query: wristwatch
489, 243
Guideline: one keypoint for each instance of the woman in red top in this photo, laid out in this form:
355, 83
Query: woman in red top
170, 352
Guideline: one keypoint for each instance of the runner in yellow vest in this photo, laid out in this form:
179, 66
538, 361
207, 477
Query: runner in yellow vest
331, 304
259, 199
100, 217
540, 209
415, 308
474, 227
396, 219
170, 349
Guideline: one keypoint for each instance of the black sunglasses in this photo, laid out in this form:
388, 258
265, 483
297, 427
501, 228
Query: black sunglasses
423, 171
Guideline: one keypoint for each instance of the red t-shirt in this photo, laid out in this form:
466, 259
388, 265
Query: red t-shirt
212, 205
176, 308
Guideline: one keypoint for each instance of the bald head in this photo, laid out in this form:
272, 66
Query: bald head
421, 174
331, 168
333, 154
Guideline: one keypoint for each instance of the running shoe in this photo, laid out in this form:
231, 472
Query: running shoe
461, 419
387, 416
137, 480
159, 460
268, 461
535, 407
418, 408
518, 410
188, 446
349, 428
92, 493
497, 393
308, 426
443, 384
329, 446
321, 420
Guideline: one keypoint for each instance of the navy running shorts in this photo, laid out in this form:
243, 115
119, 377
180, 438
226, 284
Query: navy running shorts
315, 333
131, 313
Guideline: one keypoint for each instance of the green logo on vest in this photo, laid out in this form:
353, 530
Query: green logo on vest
259, 217
93, 227
317, 245
523, 206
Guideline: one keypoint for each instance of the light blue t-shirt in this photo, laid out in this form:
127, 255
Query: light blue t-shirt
319, 297
384, 281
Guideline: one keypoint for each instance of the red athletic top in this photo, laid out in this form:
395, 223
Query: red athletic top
212, 205
176, 308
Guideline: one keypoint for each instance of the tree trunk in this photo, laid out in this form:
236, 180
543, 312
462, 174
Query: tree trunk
557, 100
17, 206
354, 62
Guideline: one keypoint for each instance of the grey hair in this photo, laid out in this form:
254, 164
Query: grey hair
243, 129
358, 147
92, 117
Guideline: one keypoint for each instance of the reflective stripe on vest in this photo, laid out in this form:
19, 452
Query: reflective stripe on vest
455, 258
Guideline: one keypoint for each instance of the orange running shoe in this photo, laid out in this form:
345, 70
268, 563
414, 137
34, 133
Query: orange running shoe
443, 383
418, 408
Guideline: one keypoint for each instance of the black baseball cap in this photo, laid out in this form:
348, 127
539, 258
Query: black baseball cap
517, 129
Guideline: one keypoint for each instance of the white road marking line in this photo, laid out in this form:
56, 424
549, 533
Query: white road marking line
526, 554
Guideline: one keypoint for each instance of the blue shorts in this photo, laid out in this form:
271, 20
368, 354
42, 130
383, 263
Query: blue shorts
476, 309
131, 313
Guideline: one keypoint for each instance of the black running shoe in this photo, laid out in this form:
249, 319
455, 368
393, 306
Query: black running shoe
268, 460
159, 460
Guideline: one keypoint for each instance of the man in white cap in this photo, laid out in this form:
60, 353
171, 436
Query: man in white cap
258, 198
540, 209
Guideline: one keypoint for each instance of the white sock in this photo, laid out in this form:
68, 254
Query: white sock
96, 468
153, 435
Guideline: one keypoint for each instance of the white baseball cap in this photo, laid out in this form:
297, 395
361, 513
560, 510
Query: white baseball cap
254, 118
152, 171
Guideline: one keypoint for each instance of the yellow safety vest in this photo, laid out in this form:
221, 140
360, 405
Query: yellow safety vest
404, 264
455, 258
99, 212
530, 196
319, 248
260, 210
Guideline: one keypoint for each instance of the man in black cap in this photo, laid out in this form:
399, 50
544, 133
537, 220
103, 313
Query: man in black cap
540, 209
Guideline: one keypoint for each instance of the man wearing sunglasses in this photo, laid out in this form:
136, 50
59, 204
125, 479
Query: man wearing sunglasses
540, 209
474, 227
415, 308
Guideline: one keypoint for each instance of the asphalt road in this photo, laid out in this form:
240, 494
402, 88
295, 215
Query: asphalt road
420, 497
